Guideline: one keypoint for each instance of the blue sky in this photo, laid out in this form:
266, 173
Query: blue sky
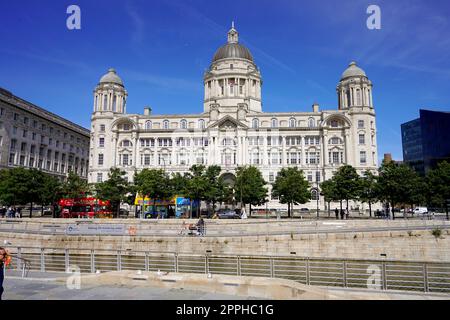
161, 49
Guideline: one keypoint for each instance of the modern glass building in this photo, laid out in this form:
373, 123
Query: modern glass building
426, 140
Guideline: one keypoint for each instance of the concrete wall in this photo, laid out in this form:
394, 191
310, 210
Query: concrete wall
399, 245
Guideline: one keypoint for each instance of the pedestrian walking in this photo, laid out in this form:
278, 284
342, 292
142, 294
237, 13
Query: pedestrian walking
201, 227
4, 261
342, 214
336, 212
9, 213
347, 214
3, 211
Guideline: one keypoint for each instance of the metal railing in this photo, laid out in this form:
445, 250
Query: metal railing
350, 273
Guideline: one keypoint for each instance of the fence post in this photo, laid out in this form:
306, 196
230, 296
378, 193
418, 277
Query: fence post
19, 261
119, 261
308, 279
345, 273
238, 265
42, 260
206, 264
272, 271
66, 259
92, 261
147, 264
425, 278
176, 262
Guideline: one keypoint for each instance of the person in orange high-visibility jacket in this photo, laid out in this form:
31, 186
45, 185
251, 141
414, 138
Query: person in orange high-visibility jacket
5, 260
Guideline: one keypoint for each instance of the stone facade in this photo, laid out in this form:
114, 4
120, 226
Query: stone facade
233, 130
32, 137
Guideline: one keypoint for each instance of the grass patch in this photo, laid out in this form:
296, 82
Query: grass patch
437, 233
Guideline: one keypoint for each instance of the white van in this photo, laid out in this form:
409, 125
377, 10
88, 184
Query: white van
420, 210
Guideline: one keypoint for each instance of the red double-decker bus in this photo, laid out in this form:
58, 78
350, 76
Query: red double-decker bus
85, 208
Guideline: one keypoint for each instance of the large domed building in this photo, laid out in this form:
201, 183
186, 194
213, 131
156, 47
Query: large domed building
233, 130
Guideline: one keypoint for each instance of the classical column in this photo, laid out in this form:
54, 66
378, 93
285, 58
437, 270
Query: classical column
347, 147
283, 157
325, 148
155, 152
302, 145
135, 149
191, 151
173, 159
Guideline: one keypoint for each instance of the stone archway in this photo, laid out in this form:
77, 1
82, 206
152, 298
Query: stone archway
229, 180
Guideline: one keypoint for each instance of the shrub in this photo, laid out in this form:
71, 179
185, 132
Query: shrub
437, 233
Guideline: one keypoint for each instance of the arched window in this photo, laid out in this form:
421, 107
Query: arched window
255, 123
166, 124
228, 142
148, 125
292, 123
334, 123
311, 123
201, 124
183, 124
314, 194
335, 140
274, 123
126, 143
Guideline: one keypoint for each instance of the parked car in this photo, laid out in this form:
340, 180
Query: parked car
304, 210
420, 210
228, 214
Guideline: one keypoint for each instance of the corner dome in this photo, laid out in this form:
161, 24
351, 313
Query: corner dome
353, 71
111, 77
233, 50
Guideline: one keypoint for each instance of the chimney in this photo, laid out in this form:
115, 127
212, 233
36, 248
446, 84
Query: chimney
147, 111
315, 107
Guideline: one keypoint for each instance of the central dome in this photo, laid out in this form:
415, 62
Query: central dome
233, 49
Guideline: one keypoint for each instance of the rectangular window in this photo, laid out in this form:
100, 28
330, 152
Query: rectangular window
317, 176
13, 144
125, 159
14, 130
100, 159
16, 116
102, 128
310, 177
99, 177
22, 161
101, 142
360, 124
11, 158
31, 163
2, 110
362, 157
23, 146
362, 139
271, 177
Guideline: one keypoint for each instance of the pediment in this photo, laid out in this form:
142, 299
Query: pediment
228, 122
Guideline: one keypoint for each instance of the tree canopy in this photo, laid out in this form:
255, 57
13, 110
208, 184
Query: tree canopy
291, 187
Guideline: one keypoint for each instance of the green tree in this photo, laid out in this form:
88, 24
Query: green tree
115, 189
368, 189
15, 186
179, 183
215, 187
329, 192
438, 181
250, 186
49, 192
74, 187
397, 184
346, 180
291, 187
197, 185
153, 183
